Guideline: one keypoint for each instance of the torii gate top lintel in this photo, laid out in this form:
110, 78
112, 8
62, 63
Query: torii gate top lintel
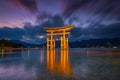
66, 28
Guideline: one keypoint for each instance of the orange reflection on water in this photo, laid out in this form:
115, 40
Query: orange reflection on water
61, 65
50, 60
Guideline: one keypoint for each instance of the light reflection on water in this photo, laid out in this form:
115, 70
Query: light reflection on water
58, 66
75, 64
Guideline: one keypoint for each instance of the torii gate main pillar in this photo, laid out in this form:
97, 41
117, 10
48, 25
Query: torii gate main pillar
60, 31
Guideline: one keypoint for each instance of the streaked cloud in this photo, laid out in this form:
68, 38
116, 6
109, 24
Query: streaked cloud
26, 19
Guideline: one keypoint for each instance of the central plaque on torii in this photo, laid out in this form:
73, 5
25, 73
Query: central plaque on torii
59, 31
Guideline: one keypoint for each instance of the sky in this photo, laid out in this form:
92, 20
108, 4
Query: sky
25, 20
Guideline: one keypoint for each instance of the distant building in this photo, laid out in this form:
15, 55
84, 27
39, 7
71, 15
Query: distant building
6, 49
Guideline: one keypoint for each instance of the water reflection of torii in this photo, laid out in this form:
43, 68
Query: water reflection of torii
61, 66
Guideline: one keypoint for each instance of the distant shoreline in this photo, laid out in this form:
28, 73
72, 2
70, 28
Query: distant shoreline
16, 49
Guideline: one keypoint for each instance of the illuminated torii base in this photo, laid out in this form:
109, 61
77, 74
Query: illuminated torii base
60, 31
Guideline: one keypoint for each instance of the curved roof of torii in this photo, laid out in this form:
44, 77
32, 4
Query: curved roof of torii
66, 28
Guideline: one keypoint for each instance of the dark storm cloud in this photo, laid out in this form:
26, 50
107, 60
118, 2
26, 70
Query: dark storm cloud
74, 19
102, 8
109, 7
50, 21
98, 31
112, 30
76, 32
99, 8
118, 18
57, 21
42, 16
74, 5
11, 33
31, 5
30, 32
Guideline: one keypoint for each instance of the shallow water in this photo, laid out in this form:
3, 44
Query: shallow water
72, 64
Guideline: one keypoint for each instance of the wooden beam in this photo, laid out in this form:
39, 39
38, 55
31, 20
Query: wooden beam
55, 34
66, 28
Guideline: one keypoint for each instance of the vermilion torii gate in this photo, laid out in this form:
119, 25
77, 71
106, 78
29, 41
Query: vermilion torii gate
59, 31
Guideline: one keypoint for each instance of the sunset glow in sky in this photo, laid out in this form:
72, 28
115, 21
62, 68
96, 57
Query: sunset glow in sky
92, 18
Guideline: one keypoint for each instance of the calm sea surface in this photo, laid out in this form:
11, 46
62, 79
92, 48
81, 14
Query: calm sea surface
72, 64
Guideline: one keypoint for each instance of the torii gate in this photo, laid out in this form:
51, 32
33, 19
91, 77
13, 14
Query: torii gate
59, 31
